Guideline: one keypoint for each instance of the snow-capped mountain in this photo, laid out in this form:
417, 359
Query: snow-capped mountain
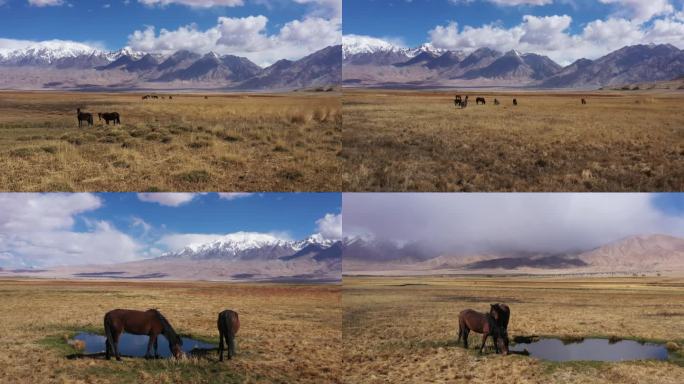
356, 48
249, 246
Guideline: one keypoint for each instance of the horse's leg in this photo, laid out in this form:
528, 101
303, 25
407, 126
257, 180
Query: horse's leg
108, 346
220, 344
496, 344
150, 344
484, 340
156, 348
116, 345
466, 332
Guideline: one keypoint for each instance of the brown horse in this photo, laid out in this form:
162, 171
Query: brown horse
515, 101
458, 101
504, 315
480, 100
584, 101
150, 322
228, 325
496, 102
110, 116
484, 323
84, 116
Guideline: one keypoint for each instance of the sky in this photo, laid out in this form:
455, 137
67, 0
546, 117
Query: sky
467, 224
45, 230
565, 30
262, 30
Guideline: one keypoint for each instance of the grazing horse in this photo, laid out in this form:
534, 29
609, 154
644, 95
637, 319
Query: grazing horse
584, 101
458, 101
170, 97
496, 102
84, 116
480, 100
503, 316
484, 323
146, 97
228, 325
515, 101
110, 116
150, 322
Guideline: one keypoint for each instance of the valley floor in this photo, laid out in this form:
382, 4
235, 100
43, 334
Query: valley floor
288, 332
418, 141
403, 330
227, 142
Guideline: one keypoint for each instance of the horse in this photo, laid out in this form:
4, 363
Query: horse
150, 322
484, 323
480, 100
464, 103
170, 97
146, 97
228, 324
584, 101
504, 315
458, 101
515, 101
110, 116
84, 116
496, 102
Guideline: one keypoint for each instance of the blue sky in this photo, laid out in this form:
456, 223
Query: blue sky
60, 229
262, 30
540, 222
563, 29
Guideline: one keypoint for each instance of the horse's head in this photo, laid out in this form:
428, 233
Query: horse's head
502, 343
176, 350
494, 312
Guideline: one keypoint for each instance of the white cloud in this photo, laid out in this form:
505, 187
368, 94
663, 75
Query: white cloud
195, 3
234, 195
470, 223
245, 36
508, 3
45, 3
549, 35
37, 230
167, 199
330, 226
641, 10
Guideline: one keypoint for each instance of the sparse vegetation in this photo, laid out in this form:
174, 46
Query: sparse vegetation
171, 145
418, 141
289, 333
399, 330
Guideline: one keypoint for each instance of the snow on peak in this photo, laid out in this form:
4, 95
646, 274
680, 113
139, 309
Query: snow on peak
427, 47
48, 51
356, 44
240, 241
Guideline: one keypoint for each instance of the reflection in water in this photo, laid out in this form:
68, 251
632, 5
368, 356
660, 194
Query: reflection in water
592, 349
136, 345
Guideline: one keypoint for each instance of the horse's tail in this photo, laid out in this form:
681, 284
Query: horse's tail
109, 339
230, 332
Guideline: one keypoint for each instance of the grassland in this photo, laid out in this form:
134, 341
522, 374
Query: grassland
238, 142
289, 333
418, 141
403, 330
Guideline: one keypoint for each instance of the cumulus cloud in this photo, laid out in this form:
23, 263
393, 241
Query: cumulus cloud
167, 199
45, 3
550, 35
38, 230
234, 195
244, 36
330, 226
640, 10
195, 3
475, 223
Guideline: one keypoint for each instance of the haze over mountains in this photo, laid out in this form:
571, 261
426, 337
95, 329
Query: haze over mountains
635, 254
237, 256
372, 62
74, 66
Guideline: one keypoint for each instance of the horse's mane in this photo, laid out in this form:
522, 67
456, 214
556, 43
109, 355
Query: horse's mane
169, 332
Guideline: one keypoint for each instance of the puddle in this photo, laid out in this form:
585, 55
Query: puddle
591, 350
136, 345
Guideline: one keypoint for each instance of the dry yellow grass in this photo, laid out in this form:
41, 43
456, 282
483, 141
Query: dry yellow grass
418, 141
287, 142
403, 330
289, 333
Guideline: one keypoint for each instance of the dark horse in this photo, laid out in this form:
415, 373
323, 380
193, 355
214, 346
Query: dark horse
84, 116
150, 322
458, 101
496, 102
110, 116
480, 100
484, 323
584, 101
515, 101
228, 325
504, 315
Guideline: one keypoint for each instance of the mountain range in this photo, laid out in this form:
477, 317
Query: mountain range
635, 254
238, 256
74, 66
370, 62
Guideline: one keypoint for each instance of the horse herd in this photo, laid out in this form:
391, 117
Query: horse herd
87, 118
494, 324
156, 97
152, 323
463, 102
